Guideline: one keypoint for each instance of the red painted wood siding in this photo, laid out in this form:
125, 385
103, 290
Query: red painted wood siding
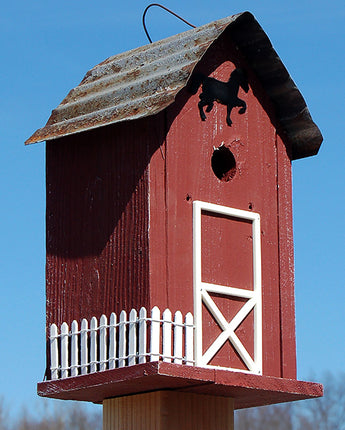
97, 221
119, 215
286, 262
181, 172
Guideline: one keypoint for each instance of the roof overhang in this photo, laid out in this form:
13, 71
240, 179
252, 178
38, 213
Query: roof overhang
146, 80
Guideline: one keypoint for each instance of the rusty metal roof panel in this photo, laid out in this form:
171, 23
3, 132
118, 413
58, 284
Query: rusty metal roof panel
146, 80
131, 85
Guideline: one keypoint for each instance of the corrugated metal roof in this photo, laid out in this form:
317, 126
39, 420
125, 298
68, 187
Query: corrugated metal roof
146, 80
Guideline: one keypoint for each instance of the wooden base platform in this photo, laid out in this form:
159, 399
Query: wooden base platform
247, 390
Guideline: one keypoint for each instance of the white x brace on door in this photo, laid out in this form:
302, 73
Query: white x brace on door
202, 295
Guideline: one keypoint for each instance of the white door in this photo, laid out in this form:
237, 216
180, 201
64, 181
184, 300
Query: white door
251, 298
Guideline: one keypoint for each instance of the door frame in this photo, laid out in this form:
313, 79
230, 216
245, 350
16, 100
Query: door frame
202, 296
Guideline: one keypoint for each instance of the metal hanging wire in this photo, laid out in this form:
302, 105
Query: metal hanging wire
168, 10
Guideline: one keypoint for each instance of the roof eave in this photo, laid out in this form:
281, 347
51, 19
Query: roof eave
146, 80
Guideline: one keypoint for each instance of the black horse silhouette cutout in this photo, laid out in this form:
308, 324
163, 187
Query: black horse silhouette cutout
224, 93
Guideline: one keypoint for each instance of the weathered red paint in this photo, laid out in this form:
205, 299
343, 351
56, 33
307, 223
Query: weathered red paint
286, 262
186, 175
97, 223
119, 217
246, 390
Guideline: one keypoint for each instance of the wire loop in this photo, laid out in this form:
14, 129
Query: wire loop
168, 10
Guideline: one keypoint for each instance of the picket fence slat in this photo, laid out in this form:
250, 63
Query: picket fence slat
132, 338
54, 352
189, 339
122, 339
155, 334
122, 342
178, 331
93, 345
103, 343
112, 341
84, 350
74, 348
142, 330
64, 350
167, 329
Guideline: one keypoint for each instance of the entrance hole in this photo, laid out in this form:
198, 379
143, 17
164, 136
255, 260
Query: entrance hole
223, 163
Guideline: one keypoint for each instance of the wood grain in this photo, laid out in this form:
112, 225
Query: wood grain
168, 410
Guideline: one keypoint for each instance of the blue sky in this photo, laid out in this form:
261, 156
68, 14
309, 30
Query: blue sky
47, 47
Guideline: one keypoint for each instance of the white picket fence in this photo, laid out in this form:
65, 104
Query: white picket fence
123, 342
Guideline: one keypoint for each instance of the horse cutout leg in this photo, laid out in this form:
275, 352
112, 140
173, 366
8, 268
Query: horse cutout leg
209, 107
228, 112
242, 104
202, 103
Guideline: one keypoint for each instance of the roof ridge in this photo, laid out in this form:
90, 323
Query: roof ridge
128, 78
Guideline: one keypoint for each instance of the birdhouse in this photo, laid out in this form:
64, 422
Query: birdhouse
169, 222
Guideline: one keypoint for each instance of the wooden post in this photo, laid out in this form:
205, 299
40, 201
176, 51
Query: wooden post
168, 410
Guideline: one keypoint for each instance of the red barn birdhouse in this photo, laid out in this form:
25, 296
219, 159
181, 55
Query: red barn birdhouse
169, 222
